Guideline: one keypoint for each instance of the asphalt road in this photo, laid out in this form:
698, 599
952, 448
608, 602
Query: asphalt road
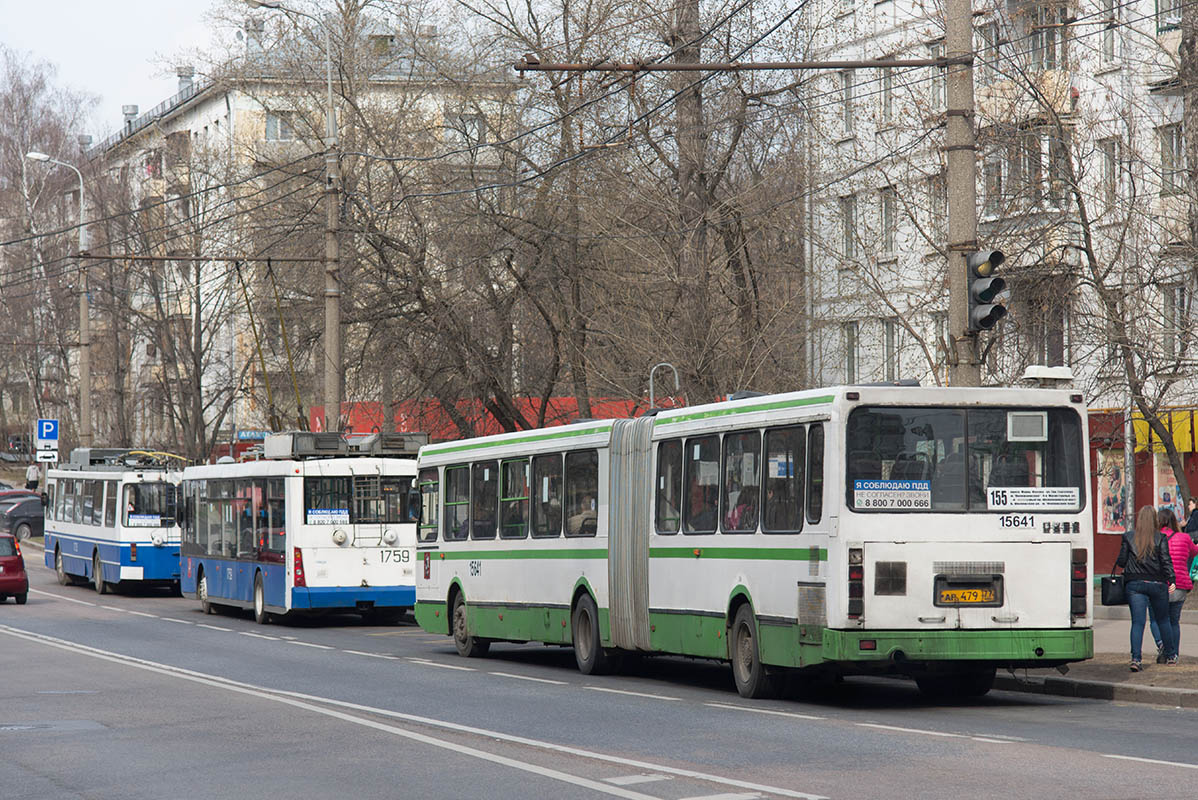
142, 696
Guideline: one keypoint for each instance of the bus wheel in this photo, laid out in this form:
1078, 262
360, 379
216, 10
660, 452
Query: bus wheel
98, 575
468, 646
752, 678
63, 578
261, 615
202, 592
584, 629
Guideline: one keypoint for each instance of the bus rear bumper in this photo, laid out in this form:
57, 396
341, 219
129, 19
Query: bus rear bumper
350, 597
1013, 648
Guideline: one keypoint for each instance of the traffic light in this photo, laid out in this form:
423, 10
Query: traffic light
984, 287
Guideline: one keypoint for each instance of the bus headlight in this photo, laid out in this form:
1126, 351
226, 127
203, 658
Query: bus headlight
157, 539
390, 537
339, 536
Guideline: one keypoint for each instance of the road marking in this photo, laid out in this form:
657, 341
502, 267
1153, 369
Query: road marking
632, 780
413, 632
1152, 761
942, 734
288, 638
426, 663
144, 614
61, 597
259, 636
112, 608
753, 796
309, 644
180, 621
527, 678
370, 655
731, 707
631, 694
301, 700
213, 627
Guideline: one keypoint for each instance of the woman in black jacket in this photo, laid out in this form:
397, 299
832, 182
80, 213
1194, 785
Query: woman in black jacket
1147, 580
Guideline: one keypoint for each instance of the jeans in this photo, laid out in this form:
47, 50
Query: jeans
1141, 594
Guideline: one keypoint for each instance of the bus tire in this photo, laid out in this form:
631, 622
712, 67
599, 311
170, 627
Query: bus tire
261, 615
59, 572
753, 679
592, 659
98, 574
468, 646
202, 593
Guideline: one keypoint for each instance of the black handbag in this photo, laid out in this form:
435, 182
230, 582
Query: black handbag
1112, 591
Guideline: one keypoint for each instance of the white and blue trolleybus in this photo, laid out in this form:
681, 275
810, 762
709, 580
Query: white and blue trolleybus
111, 518
320, 523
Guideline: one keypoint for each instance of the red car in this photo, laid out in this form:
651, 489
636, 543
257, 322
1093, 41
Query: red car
13, 579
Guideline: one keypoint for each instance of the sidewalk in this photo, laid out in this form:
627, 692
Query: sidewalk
1107, 676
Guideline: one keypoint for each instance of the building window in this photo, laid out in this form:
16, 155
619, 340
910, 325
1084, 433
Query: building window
852, 353
1110, 26
988, 33
848, 226
846, 103
279, 126
1048, 37
1046, 329
938, 87
1109, 153
1058, 171
992, 174
1172, 159
887, 110
1176, 316
1168, 15
1026, 174
938, 208
892, 350
888, 214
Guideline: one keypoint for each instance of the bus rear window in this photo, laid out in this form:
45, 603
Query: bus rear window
147, 505
953, 459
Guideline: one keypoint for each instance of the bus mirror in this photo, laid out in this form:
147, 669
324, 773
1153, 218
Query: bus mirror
45, 500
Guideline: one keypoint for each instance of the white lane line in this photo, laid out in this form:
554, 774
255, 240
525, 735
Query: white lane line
301, 699
631, 694
793, 714
60, 597
213, 627
370, 655
943, 734
1152, 761
527, 678
180, 621
288, 638
258, 636
112, 608
444, 744
144, 614
309, 644
425, 663
753, 796
632, 780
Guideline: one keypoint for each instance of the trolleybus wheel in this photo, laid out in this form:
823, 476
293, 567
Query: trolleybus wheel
98, 575
584, 630
467, 645
751, 676
261, 615
63, 578
202, 592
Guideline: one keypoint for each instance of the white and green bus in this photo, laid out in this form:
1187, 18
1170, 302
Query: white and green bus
938, 533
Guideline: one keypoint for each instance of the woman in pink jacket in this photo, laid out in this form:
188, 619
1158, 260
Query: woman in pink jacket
1181, 549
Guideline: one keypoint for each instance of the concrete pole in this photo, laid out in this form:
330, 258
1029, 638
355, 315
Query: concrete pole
961, 147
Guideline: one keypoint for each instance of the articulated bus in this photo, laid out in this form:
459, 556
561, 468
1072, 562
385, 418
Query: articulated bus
937, 533
319, 524
111, 518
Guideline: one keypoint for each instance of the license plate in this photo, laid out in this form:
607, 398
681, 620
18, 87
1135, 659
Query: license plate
968, 596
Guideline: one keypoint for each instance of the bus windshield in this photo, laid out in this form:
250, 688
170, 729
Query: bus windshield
360, 500
956, 459
149, 505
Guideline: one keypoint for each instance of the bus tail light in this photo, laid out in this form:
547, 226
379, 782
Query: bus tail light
1079, 579
856, 583
133, 552
300, 580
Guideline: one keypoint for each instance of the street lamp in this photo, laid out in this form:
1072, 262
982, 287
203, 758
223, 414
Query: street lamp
332, 247
85, 366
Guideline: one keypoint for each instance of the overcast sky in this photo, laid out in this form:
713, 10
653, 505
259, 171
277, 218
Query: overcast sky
123, 51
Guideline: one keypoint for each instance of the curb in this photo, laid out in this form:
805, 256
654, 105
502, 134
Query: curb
1100, 690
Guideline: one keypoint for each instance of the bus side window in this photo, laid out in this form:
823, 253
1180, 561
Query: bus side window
815, 472
80, 487
742, 481
110, 504
98, 503
582, 493
484, 494
457, 502
49, 512
429, 519
702, 462
785, 463
669, 486
547, 496
276, 518
513, 499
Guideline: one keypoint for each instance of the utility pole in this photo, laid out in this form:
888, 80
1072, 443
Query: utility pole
961, 148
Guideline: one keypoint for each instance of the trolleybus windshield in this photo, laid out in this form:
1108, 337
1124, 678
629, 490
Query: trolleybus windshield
149, 505
964, 459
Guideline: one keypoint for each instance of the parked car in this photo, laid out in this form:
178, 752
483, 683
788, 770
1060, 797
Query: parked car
4, 485
13, 579
22, 516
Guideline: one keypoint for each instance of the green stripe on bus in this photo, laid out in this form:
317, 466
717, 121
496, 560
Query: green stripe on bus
540, 437
468, 555
723, 412
743, 553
